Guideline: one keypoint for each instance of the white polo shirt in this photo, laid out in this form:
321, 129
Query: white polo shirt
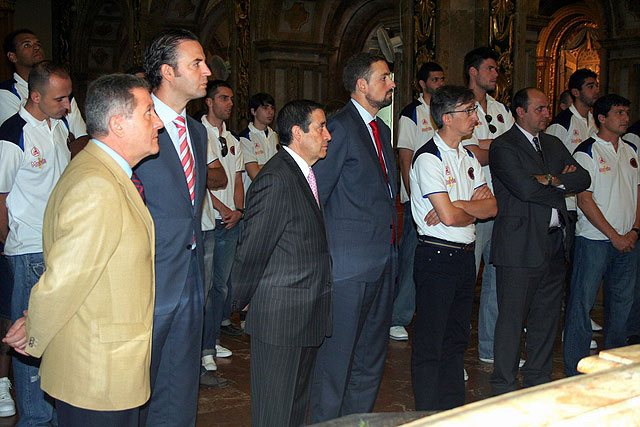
615, 176
14, 93
501, 118
32, 158
231, 162
257, 146
633, 134
415, 128
438, 168
571, 128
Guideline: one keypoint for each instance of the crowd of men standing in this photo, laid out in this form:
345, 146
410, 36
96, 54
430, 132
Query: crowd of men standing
136, 253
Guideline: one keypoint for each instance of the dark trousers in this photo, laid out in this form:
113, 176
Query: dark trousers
72, 416
445, 280
280, 384
531, 296
350, 363
175, 359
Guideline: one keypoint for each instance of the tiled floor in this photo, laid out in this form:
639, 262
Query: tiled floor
231, 406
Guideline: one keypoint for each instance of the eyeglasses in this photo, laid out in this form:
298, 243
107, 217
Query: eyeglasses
492, 128
224, 150
469, 111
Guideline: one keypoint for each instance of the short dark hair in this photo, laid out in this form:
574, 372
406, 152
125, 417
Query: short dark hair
213, 85
163, 50
447, 98
476, 57
260, 100
358, 67
565, 97
577, 79
10, 39
604, 103
426, 68
108, 96
41, 72
521, 99
295, 113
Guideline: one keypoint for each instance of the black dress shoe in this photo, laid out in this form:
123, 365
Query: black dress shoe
231, 330
210, 380
633, 339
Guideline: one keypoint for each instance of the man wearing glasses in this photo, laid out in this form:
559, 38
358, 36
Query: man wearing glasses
494, 119
449, 194
222, 212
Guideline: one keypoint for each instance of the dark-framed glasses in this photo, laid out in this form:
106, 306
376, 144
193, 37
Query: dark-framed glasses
468, 111
224, 150
492, 128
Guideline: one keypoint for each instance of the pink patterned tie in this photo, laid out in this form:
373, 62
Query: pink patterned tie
311, 179
185, 156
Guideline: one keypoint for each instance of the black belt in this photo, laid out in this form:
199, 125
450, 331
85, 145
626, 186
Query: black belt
434, 241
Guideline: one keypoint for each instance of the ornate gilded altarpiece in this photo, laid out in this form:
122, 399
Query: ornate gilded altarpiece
501, 26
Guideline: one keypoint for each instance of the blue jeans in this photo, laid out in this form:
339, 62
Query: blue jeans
6, 286
488, 310
404, 304
226, 242
34, 409
594, 259
633, 322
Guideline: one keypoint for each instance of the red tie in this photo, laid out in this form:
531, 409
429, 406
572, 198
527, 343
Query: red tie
376, 137
185, 156
136, 181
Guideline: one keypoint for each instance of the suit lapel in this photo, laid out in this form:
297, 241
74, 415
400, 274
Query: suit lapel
174, 167
528, 147
301, 180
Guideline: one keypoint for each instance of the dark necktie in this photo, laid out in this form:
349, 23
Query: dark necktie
376, 138
136, 181
536, 143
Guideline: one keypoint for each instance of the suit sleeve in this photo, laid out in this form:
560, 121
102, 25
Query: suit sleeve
264, 223
505, 166
87, 228
574, 182
328, 170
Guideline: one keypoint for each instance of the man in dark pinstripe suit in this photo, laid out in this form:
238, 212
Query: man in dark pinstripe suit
283, 270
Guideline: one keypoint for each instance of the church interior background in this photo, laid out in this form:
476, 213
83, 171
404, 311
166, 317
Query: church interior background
297, 48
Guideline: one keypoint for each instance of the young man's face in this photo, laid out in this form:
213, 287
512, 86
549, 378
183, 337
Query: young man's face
616, 121
28, 50
264, 114
433, 82
486, 75
589, 92
53, 100
222, 102
191, 70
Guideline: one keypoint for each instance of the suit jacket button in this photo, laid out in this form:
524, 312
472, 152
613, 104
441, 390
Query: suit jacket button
188, 247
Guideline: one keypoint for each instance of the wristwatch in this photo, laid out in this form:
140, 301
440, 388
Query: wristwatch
241, 213
549, 178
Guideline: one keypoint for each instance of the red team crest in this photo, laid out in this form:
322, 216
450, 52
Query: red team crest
233, 150
470, 172
35, 152
446, 170
500, 118
633, 162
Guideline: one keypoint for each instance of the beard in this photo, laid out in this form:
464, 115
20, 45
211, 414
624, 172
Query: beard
385, 102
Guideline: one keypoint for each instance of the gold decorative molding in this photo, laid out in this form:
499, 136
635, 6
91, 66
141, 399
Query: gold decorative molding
8, 5
501, 24
424, 37
243, 52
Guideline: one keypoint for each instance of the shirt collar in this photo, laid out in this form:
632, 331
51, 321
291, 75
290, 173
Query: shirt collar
166, 113
215, 130
266, 131
605, 142
35, 122
421, 99
363, 113
115, 156
576, 113
302, 164
19, 80
443, 145
527, 134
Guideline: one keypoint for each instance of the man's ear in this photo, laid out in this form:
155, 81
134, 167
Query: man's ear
167, 72
35, 96
296, 132
362, 85
209, 102
473, 72
520, 111
575, 92
115, 125
11, 56
423, 85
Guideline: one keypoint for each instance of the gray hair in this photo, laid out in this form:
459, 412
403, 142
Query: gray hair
109, 96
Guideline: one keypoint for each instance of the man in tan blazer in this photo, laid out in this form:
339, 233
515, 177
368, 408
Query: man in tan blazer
91, 313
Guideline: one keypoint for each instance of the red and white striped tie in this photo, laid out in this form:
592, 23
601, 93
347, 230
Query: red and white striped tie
185, 156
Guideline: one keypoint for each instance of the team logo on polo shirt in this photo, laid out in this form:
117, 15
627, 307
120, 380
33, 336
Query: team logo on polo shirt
604, 169
470, 172
259, 150
633, 162
500, 119
426, 125
233, 150
35, 152
447, 171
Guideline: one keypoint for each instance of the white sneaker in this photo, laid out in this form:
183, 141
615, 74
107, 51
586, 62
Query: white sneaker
593, 345
222, 351
7, 407
398, 333
595, 327
209, 363
490, 360
466, 376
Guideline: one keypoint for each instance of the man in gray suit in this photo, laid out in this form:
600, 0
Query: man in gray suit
357, 187
282, 270
532, 171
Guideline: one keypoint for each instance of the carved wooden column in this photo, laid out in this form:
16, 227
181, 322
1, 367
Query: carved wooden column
7, 8
501, 28
240, 11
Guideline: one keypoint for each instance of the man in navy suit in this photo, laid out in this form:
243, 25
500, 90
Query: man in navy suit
357, 187
174, 183
283, 270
